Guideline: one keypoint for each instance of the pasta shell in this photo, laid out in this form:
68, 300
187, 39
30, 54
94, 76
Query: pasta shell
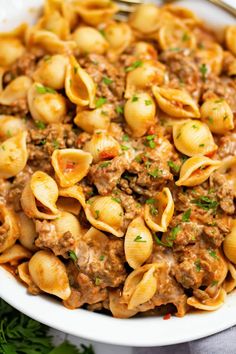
145, 51
10, 126
158, 213
71, 199
230, 282
230, 34
9, 228
91, 120
217, 114
70, 165
90, 40
67, 222
177, 103
140, 111
102, 146
117, 307
140, 285
212, 57
14, 254
45, 104
176, 34
185, 15
27, 232
208, 304
16, 90
13, 155
51, 71
229, 244
11, 49
105, 214
49, 274
50, 42
119, 37
24, 275
94, 12
148, 74
193, 138
54, 22
39, 197
79, 85
196, 170
145, 18
138, 243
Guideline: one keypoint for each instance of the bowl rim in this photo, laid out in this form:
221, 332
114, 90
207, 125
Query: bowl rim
136, 332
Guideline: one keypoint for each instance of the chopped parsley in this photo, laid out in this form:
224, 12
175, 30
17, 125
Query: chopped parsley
117, 200
100, 102
185, 37
194, 126
155, 173
210, 120
124, 147
219, 100
75, 69
133, 66
134, 98
102, 32
150, 141
159, 242
203, 71
138, 159
205, 203
201, 145
44, 89
139, 238
173, 166
97, 281
40, 125
55, 144
73, 256
148, 102
173, 233
186, 215
3, 147
125, 137
150, 201
119, 109
153, 210
9, 134
97, 212
104, 164
212, 254
214, 282
101, 258
42, 142
106, 80
198, 265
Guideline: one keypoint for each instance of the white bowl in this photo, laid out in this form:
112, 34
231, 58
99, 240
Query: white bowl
150, 331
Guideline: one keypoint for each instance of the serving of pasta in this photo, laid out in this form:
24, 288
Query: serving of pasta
118, 158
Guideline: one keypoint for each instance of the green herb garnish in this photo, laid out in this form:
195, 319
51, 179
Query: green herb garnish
198, 265
106, 80
44, 89
133, 66
101, 258
97, 281
134, 98
124, 147
212, 254
205, 203
148, 102
125, 137
155, 173
100, 102
117, 200
40, 125
55, 144
186, 215
119, 109
173, 165
73, 256
139, 238
203, 70
97, 212
105, 164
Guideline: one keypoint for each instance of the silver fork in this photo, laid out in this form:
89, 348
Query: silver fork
127, 7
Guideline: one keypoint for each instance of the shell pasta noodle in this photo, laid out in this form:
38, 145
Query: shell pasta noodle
118, 158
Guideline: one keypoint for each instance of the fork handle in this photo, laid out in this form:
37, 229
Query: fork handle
225, 6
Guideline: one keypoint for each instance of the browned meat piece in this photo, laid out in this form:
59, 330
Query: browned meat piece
99, 67
17, 186
42, 142
188, 233
223, 191
187, 274
102, 257
48, 238
3, 233
227, 146
131, 207
85, 292
183, 72
105, 175
23, 66
224, 87
19, 107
